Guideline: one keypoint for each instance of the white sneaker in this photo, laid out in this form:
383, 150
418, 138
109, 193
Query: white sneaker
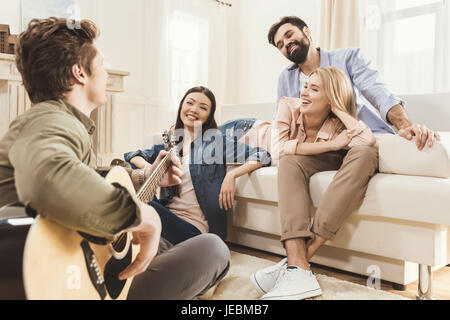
294, 284
264, 280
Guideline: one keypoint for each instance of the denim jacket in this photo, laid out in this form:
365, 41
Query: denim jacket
237, 127
208, 171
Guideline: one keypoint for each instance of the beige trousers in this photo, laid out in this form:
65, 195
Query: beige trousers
344, 195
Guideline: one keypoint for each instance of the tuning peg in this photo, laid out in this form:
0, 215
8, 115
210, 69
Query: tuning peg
165, 136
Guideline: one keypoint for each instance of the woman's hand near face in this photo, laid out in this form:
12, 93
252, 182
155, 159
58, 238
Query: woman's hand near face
226, 196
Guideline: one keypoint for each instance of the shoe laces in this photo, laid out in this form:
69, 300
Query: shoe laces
276, 268
283, 274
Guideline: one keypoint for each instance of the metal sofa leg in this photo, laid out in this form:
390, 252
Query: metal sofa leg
425, 287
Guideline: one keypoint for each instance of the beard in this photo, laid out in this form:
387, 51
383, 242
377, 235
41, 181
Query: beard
298, 56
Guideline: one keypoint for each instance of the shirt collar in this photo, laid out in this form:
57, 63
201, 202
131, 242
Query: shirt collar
326, 131
85, 120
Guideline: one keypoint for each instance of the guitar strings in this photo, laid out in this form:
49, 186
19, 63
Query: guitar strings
145, 192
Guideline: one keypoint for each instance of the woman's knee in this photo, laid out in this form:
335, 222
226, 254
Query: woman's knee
293, 166
364, 155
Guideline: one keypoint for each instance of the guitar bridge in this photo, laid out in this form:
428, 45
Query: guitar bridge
94, 271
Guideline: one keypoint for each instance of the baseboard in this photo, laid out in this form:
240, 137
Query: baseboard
397, 271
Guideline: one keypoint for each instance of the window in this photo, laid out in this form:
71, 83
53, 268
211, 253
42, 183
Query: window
48, 8
405, 42
189, 53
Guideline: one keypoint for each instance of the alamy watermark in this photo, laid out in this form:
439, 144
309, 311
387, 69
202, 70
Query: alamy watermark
374, 280
73, 21
229, 146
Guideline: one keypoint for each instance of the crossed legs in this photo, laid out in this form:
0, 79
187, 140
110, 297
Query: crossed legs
302, 237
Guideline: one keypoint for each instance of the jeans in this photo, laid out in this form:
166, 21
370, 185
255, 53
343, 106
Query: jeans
174, 229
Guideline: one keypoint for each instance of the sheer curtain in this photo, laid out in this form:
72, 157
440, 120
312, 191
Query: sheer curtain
193, 48
339, 24
408, 41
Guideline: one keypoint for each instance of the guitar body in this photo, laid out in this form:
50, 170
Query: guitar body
59, 264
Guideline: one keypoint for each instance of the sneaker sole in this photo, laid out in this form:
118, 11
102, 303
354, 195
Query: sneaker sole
300, 296
256, 284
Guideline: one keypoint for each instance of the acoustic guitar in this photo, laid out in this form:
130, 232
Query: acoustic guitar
60, 263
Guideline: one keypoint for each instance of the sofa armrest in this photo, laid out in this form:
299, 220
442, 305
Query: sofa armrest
400, 156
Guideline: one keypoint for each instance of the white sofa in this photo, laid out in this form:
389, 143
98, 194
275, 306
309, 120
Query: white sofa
401, 230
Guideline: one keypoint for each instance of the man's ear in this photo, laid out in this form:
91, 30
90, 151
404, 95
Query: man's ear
79, 74
307, 32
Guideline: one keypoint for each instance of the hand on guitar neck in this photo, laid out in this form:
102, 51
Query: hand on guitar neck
173, 175
147, 233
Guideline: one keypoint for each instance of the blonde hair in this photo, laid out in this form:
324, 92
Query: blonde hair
338, 90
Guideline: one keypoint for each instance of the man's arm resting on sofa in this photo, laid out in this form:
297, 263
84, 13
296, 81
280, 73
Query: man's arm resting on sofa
398, 117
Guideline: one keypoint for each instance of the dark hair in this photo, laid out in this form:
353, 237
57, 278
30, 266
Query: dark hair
296, 21
46, 52
210, 123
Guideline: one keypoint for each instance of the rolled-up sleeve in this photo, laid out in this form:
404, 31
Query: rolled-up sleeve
51, 177
361, 135
370, 84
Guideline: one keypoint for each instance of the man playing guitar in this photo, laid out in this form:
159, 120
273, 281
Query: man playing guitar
47, 163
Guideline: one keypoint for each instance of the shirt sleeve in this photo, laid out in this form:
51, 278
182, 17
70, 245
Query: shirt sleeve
281, 142
51, 177
370, 84
282, 91
361, 135
149, 155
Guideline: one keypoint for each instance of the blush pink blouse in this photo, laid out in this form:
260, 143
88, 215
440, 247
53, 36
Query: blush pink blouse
282, 136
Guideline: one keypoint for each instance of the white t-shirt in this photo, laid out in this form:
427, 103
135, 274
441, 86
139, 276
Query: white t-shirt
303, 78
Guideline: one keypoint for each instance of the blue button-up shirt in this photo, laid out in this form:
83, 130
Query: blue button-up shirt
373, 99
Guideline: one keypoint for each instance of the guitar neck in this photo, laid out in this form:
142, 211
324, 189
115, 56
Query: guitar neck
148, 190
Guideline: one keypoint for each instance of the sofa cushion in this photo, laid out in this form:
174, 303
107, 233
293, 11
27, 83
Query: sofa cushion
400, 156
260, 184
415, 198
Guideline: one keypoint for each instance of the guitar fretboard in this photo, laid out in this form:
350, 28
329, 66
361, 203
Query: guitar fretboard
148, 190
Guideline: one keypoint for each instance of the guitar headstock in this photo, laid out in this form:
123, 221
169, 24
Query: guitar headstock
170, 141
166, 140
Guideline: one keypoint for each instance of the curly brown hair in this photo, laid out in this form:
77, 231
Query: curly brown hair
47, 51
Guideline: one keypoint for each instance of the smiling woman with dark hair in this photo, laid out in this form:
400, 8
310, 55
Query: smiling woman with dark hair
198, 205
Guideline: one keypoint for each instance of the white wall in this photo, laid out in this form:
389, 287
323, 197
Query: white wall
10, 14
254, 64
130, 32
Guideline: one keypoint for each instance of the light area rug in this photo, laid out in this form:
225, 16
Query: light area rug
237, 286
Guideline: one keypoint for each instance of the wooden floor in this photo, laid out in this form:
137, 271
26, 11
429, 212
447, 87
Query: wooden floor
441, 278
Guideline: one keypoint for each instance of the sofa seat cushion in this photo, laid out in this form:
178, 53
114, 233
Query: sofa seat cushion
414, 198
260, 184
421, 199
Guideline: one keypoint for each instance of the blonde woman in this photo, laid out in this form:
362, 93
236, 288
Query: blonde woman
316, 132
